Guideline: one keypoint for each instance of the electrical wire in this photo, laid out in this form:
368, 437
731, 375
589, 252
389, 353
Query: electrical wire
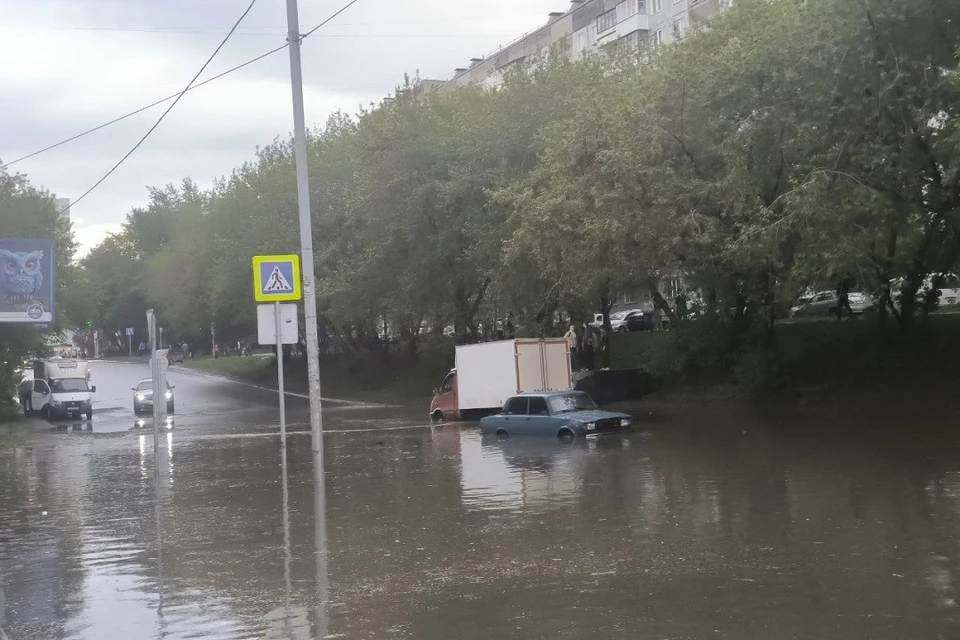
169, 109
177, 95
142, 109
330, 19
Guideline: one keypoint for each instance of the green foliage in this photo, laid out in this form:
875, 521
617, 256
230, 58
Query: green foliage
29, 212
788, 145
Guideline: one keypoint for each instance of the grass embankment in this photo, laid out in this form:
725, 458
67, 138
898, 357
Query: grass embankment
397, 380
828, 354
700, 358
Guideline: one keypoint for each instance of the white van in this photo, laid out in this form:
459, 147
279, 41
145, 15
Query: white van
59, 388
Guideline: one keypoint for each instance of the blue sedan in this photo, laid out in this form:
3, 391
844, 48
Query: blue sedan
567, 414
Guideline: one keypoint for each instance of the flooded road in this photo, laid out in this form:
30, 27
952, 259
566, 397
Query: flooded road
776, 524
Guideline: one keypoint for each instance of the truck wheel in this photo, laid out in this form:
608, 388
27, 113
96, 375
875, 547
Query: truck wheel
45, 412
437, 416
89, 414
502, 434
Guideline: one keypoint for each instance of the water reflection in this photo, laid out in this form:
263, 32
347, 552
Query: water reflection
677, 531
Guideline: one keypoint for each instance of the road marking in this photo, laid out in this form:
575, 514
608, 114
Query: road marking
213, 376
232, 436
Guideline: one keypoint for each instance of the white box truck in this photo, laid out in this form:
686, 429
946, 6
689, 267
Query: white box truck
487, 374
59, 387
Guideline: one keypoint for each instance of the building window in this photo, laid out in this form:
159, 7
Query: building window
657, 37
607, 21
657, 6
581, 43
678, 27
641, 6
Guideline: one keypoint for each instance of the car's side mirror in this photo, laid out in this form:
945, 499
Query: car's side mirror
436, 390
133, 388
173, 387
93, 389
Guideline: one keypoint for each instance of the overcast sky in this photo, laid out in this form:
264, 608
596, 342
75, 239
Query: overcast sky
69, 65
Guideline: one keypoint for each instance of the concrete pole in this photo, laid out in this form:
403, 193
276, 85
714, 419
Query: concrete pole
306, 231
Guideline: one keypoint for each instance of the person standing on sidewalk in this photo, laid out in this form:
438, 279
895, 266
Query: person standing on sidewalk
571, 337
843, 298
586, 347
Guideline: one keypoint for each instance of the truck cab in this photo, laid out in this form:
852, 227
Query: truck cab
445, 405
59, 388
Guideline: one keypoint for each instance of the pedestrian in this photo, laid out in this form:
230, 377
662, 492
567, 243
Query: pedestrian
657, 318
586, 346
571, 337
216, 351
680, 306
600, 347
843, 298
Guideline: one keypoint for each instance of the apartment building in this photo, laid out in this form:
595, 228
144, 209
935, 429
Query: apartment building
587, 25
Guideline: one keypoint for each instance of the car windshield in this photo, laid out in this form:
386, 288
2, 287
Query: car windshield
571, 402
147, 385
619, 315
67, 385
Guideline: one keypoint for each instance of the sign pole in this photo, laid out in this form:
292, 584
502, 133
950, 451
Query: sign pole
130, 346
283, 408
306, 232
155, 377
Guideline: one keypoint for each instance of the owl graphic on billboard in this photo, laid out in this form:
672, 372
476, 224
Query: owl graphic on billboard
26, 280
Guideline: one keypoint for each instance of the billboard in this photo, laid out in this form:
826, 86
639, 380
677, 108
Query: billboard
27, 280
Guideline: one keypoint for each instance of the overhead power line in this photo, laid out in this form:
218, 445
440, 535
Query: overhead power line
170, 108
330, 19
142, 109
178, 95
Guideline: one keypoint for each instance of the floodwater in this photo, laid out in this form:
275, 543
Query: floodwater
706, 522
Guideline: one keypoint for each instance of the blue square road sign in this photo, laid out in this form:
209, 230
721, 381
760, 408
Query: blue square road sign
276, 278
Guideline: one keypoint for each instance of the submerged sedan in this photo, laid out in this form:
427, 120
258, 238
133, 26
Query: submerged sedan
564, 414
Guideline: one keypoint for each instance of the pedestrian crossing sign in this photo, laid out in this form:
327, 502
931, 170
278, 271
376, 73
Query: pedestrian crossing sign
276, 278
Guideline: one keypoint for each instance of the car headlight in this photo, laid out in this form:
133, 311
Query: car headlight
625, 422
141, 397
590, 426
169, 394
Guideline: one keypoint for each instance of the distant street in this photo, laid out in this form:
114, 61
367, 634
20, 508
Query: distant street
706, 522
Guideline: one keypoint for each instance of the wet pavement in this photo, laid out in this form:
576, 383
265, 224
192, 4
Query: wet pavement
709, 522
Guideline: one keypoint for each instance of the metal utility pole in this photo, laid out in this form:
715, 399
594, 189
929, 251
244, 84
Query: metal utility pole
306, 235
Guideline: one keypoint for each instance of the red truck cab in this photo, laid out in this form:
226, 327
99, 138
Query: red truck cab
445, 404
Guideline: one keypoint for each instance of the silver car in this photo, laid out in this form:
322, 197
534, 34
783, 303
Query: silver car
824, 303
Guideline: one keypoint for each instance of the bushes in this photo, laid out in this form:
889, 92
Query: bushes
804, 353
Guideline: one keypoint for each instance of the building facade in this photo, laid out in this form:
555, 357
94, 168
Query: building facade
588, 25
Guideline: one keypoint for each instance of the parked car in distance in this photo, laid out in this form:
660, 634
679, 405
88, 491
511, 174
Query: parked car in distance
175, 356
567, 414
640, 321
143, 397
824, 303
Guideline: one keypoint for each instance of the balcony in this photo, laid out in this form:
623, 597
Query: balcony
702, 11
